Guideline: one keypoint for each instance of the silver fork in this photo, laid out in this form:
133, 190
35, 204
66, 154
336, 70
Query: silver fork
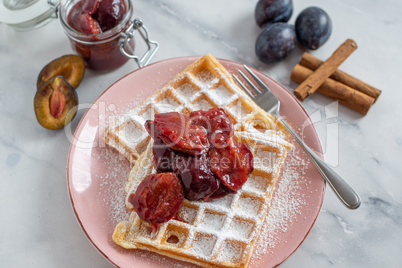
269, 102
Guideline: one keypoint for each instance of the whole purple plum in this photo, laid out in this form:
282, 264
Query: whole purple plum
271, 11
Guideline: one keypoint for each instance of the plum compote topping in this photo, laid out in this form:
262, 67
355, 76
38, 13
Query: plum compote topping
199, 151
196, 176
177, 131
221, 192
232, 164
217, 122
158, 197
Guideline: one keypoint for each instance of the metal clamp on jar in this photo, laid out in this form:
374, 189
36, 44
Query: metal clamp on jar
103, 50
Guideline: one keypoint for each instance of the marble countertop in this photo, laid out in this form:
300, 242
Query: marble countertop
38, 226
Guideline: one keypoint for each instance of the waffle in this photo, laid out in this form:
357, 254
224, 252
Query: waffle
202, 85
220, 233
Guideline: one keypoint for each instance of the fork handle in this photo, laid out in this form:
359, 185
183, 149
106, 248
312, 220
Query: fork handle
342, 190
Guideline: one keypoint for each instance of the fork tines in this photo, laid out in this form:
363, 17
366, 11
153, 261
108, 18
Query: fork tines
256, 91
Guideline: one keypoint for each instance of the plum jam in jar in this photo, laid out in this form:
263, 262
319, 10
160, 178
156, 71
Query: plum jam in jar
101, 32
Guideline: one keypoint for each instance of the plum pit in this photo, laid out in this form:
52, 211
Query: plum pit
55, 103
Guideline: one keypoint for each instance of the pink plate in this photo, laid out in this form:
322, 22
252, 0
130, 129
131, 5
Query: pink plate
96, 174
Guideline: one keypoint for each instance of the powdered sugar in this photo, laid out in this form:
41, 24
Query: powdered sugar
221, 95
187, 91
204, 244
230, 251
202, 105
284, 209
240, 228
112, 182
206, 78
286, 204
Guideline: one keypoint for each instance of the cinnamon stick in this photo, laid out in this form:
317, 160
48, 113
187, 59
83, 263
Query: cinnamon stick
313, 82
346, 95
313, 63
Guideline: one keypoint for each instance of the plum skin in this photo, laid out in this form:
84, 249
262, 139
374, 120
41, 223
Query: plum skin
272, 11
71, 67
158, 197
109, 13
275, 42
199, 180
313, 27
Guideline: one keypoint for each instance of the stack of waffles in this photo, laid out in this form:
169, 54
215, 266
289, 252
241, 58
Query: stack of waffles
223, 232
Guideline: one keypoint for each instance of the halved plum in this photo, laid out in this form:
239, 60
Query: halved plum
71, 67
55, 103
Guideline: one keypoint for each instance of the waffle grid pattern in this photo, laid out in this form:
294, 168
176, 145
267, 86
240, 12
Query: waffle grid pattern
220, 233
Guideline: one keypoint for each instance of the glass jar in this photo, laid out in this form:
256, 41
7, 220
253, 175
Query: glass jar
25, 15
103, 52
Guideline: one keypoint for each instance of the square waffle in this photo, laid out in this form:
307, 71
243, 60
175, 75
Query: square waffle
220, 233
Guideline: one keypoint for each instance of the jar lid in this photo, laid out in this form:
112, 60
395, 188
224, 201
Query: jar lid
27, 14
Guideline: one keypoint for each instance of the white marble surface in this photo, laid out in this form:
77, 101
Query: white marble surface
38, 227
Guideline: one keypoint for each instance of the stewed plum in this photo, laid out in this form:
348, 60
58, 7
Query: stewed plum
221, 192
82, 21
194, 171
275, 42
313, 27
177, 131
96, 16
196, 176
90, 6
199, 150
163, 156
217, 123
232, 164
109, 13
272, 11
158, 197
